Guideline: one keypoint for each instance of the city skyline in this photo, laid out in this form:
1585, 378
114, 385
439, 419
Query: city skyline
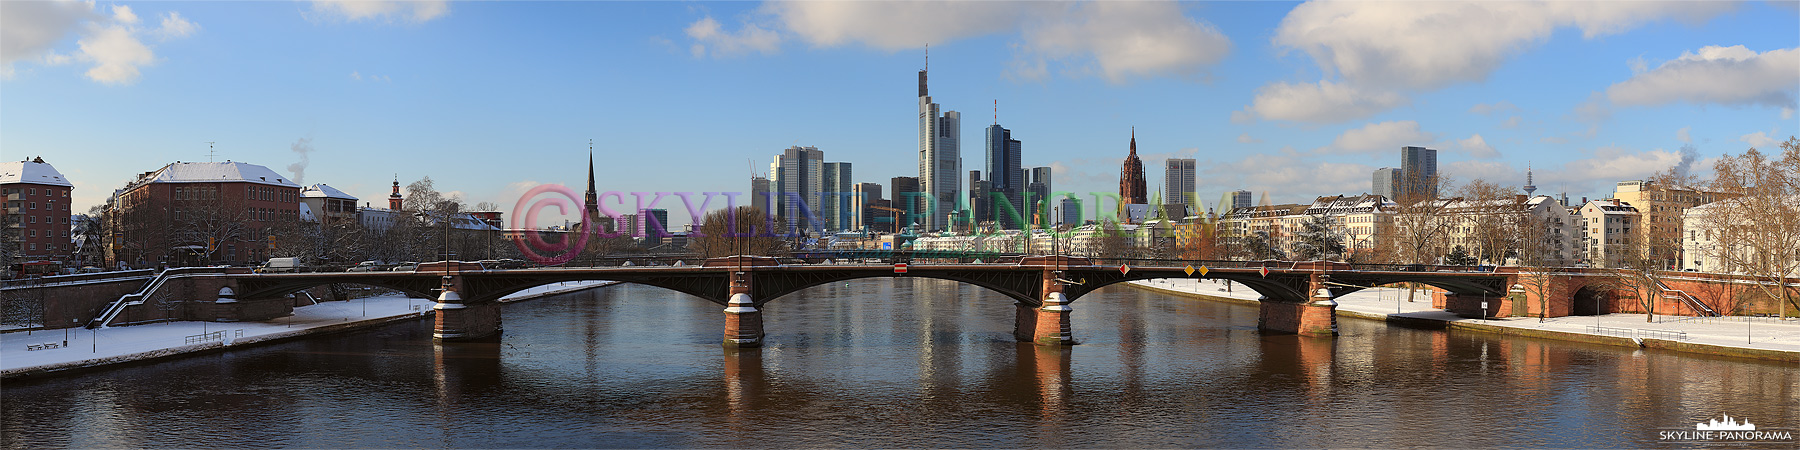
353, 94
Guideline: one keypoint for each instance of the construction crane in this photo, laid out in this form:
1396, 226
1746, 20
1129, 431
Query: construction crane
896, 212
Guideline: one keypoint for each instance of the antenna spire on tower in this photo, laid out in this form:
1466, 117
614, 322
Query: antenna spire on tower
996, 111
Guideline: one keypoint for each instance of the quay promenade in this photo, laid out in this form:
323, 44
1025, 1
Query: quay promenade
36, 352
1757, 337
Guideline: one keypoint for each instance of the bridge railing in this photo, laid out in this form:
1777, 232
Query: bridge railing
77, 278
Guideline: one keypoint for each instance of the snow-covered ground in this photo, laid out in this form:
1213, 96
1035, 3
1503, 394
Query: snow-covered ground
1758, 333
77, 346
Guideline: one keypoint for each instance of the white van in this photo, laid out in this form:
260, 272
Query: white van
278, 265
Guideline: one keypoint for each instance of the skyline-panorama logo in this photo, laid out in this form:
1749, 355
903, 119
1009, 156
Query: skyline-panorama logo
1726, 429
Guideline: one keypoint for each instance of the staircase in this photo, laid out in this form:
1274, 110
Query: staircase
118, 306
1700, 308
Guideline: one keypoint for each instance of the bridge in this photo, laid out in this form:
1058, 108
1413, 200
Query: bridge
1298, 297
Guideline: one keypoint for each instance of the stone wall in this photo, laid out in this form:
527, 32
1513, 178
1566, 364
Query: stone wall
64, 306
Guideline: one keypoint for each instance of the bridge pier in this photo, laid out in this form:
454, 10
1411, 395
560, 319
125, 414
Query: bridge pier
743, 322
1052, 321
1024, 321
460, 321
1317, 317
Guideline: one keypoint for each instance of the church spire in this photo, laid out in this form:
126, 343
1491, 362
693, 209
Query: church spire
1133, 141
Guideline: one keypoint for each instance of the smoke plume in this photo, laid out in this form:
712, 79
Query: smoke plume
1688, 154
303, 147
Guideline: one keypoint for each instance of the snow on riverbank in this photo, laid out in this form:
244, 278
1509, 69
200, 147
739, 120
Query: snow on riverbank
76, 347
1759, 333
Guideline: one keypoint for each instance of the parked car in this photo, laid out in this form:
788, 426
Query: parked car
367, 266
408, 266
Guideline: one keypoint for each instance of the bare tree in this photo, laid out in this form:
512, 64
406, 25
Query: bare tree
1420, 228
1541, 258
1759, 233
1490, 217
1318, 239
741, 231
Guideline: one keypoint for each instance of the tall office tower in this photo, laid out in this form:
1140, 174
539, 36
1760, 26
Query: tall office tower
797, 176
1131, 178
834, 201
1068, 211
864, 195
940, 159
1037, 184
1387, 182
1420, 170
1178, 182
981, 203
1239, 199
759, 193
907, 198
1005, 176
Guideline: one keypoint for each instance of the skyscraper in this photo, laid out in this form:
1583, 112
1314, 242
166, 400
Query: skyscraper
835, 200
1037, 185
865, 195
1004, 176
1420, 171
981, 200
1178, 182
759, 194
940, 159
1131, 178
1239, 199
797, 178
1387, 182
908, 198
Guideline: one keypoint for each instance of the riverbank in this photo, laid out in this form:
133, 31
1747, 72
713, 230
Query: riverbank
43, 352
1759, 338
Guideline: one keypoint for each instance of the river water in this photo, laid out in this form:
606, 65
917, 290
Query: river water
900, 363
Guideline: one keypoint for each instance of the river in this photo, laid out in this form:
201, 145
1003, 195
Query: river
900, 363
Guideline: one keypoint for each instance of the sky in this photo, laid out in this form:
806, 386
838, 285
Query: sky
1290, 100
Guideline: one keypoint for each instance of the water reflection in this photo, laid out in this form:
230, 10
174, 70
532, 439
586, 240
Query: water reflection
897, 363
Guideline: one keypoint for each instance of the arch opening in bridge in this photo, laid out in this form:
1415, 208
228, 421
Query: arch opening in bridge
1590, 301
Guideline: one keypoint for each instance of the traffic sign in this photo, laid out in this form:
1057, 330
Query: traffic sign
900, 268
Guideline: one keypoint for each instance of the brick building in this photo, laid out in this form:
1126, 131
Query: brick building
36, 220
193, 213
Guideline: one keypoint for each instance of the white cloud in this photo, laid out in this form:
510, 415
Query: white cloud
1683, 136
1496, 172
1381, 138
113, 43
1760, 141
32, 29
173, 26
416, 11
1428, 45
1495, 107
1387, 50
1286, 178
1511, 122
1324, 102
1117, 40
710, 37
1128, 39
1478, 148
1593, 111
1246, 139
116, 53
1612, 164
1724, 75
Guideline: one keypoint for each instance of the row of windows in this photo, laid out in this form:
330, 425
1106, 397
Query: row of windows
47, 219
34, 233
65, 247
271, 194
50, 205
34, 191
271, 215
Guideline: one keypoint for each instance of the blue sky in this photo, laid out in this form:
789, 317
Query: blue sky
1292, 99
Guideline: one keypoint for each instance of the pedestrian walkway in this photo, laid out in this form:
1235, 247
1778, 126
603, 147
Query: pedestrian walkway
23, 351
1736, 332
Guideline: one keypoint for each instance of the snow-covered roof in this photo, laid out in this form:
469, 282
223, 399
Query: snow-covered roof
306, 213
33, 172
215, 172
326, 191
